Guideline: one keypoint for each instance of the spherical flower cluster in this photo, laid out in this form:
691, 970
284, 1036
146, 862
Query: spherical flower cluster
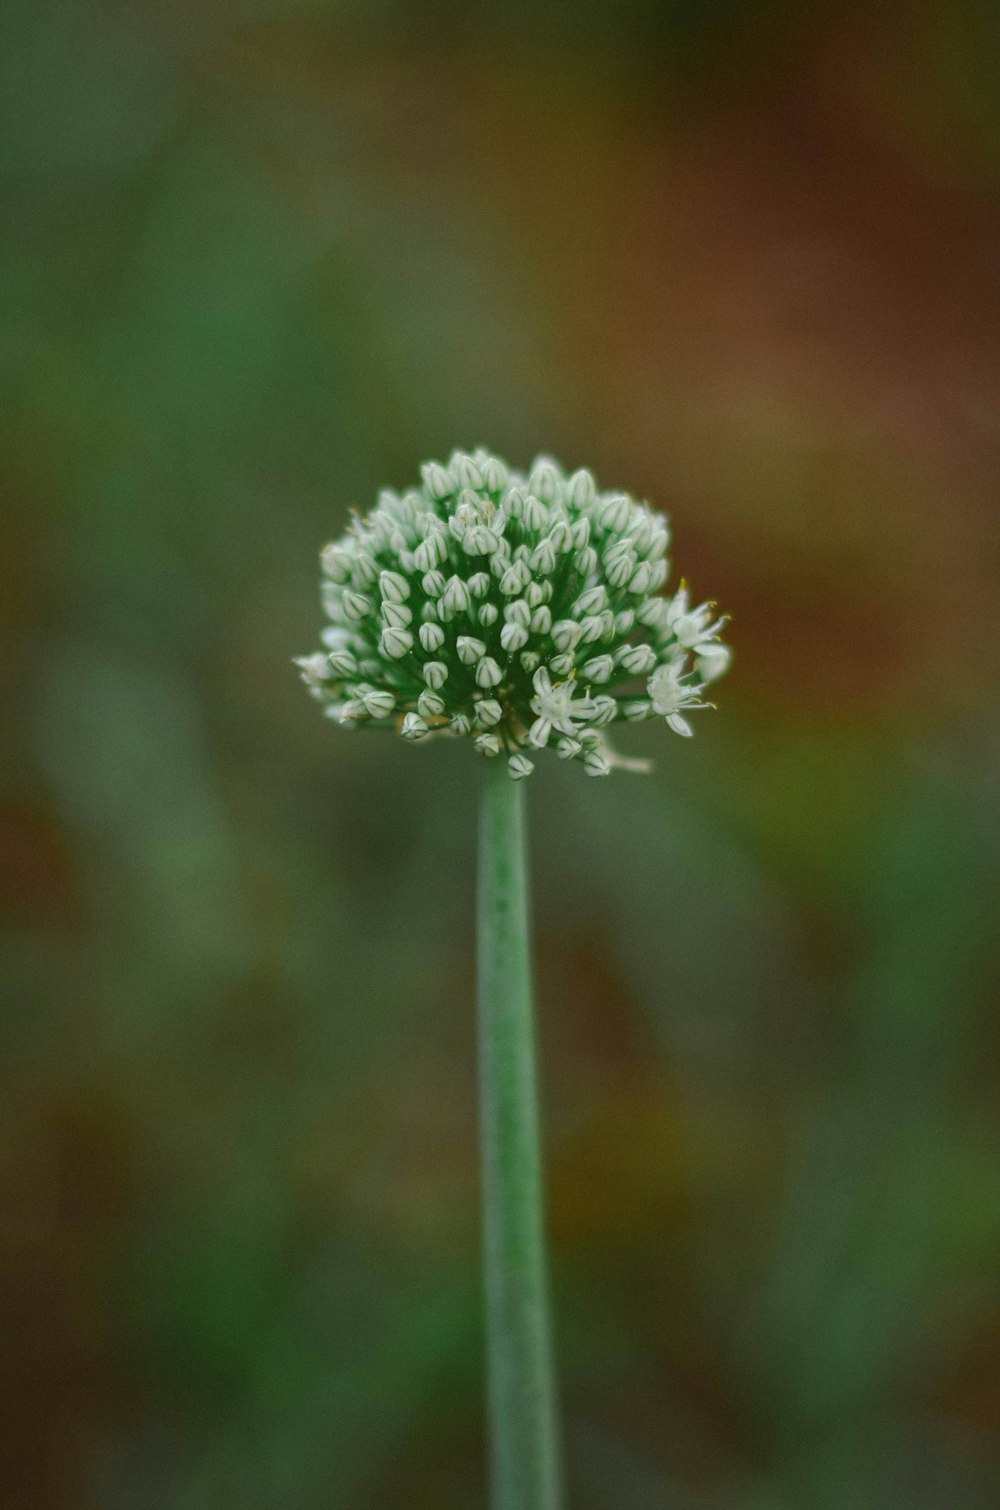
521, 612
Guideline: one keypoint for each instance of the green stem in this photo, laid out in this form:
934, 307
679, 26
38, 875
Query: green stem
522, 1408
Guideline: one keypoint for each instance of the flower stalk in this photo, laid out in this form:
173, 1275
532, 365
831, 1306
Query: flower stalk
521, 1388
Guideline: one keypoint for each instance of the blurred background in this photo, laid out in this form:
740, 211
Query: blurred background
257, 259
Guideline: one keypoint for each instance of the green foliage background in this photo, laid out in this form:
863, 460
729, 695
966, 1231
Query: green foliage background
257, 258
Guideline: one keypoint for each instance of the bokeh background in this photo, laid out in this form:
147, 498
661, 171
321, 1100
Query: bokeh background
258, 258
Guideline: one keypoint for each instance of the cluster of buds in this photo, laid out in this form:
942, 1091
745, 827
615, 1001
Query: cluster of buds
519, 611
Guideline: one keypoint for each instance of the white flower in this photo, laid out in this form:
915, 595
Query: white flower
556, 709
521, 611
668, 695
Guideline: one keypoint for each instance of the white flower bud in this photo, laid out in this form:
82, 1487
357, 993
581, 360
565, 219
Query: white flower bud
591, 602
413, 727
395, 589
515, 579
488, 673
488, 614
586, 561
378, 703
638, 659
479, 584
541, 620
605, 709
543, 558
487, 744
396, 615
513, 637
562, 665
436, 481
545, 481
433, 583
467, 473
653, 613
561, 537
536, 516
600, 669
454, 600
620, 570
435, 674
315, 668
430, 552
566, 634
581, 489
480, 541
614, 513
494, 475
364, 570
469, 650
519, 766
595, 763
568, 748
517, 612
343, 663
641, 578
356, 606
395, 643
431, 637
488, 712
624, 621
430, 705
336, 562
530, 659
591, 628
513, 503
638, 709
581, 534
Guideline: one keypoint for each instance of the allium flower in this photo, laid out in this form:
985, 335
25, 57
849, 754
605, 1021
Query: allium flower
522, 612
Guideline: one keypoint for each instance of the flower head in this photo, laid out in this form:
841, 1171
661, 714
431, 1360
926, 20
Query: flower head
521, 611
